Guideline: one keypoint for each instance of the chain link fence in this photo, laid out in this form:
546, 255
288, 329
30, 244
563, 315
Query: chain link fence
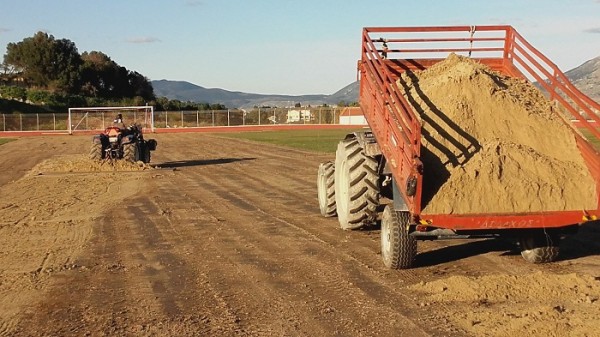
173, 119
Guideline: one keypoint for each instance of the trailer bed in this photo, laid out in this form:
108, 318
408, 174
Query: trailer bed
389, 52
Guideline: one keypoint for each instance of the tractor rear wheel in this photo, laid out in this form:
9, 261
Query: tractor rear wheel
326, 189
131, 152
398, 247
539, 247
96, 152
146, 153
356, 185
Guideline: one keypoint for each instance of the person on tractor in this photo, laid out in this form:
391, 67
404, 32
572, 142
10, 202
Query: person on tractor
118, 121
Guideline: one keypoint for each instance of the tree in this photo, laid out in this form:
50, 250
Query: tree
103, 77
45, 62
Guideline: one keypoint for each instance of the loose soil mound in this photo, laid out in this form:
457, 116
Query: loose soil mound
80, 163
506, 305
492, 143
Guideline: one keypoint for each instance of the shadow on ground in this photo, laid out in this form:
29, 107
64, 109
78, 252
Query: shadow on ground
456, 252
201, 162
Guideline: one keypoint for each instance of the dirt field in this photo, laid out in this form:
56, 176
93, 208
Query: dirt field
226, 239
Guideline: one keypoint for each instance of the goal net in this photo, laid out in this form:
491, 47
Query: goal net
98, 118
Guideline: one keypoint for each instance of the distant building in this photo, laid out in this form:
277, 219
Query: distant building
294, 116
352, 116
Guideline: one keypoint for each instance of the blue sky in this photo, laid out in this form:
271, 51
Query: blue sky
281, 46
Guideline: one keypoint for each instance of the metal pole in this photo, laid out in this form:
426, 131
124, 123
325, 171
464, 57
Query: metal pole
334, 116
54, 121
103, 127
37, 117
21, 121
69, 123
213, 117
258, 116
228, 118
166, 119
197, 118
320, 115
4, 121
181, 118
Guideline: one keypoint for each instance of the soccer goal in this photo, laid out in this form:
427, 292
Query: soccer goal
98, 118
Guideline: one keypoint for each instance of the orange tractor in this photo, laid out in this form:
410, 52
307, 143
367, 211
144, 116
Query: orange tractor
122, 143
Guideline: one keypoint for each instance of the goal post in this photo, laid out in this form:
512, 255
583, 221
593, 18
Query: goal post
98, 118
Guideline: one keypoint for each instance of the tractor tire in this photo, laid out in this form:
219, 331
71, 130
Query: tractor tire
146, 154
539, 247
96, 152
326, 189
398, 247
356, 185
131, 152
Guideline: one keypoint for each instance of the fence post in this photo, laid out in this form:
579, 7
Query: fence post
197, 118
181, 112
53, 121
4, 121
258, 116
166, 119
274, 118
213, 117
103, 127
37, 117
228, 124
21, 122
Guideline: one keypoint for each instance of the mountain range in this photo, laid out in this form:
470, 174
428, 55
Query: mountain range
185, 91
586, 77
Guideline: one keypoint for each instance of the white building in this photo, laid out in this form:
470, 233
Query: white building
352, 116
294, 116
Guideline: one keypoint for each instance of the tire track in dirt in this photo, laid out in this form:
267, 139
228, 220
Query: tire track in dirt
337, 281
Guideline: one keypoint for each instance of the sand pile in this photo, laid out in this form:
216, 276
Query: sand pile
492, 143
81, 163
544, 304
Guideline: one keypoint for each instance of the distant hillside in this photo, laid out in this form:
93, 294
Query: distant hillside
586, 78
185, 91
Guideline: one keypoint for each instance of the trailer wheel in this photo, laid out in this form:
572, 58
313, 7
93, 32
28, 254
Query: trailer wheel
539, 247
356, 185
398, 248
96, 152
131, 152
326, 189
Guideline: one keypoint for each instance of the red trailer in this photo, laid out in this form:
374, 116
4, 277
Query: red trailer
385, 161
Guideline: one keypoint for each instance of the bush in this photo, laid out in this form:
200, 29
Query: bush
13, 92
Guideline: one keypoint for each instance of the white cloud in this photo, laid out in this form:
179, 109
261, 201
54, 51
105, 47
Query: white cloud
146, 39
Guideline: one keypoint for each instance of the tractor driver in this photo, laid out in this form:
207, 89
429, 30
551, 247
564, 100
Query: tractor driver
119, 121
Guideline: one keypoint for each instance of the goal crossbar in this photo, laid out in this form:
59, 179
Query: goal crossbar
97, 118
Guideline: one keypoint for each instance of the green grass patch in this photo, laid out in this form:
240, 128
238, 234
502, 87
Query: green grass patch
310, 140
6, 140
591, 138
